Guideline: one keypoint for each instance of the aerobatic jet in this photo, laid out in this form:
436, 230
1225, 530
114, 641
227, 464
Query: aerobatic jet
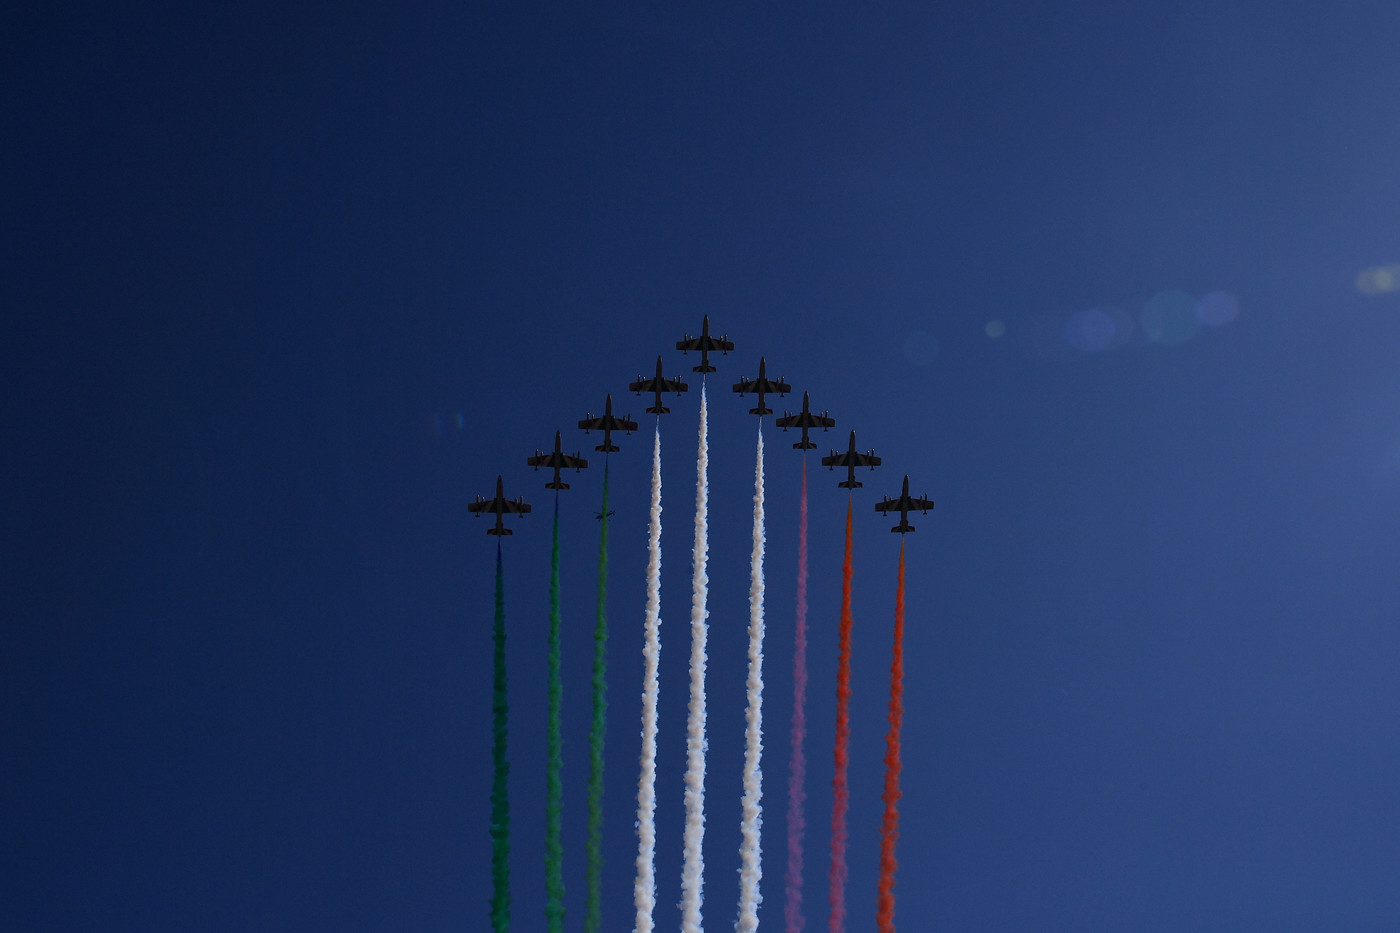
607, 424
658, 385
805, 420
761, 385
902, 505
501, 506
850, 460
557, 459
705, 343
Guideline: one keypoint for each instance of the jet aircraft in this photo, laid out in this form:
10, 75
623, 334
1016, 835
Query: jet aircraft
501, 506
705, 343
658, 385
761, 385
805, 420
902, 505
607, 424
850, 460
557, 459
599, 515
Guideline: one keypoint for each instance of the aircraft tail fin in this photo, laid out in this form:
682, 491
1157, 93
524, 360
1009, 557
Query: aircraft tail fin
807, 446
658, 410
761, 410
850, 484
703, 368
559, 485
499, 531
606, 448
903, 527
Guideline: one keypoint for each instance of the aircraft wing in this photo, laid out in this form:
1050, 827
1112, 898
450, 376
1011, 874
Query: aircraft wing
704, 342
501, 506
808, 420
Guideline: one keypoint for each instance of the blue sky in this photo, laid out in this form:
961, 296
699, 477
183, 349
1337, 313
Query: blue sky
259, 259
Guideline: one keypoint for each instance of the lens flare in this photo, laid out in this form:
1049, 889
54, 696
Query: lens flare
1217, 308
1091, 330
1378, 279
1170, 318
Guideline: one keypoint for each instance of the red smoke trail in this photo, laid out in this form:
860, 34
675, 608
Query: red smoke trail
841, 797
797, 769
889, 826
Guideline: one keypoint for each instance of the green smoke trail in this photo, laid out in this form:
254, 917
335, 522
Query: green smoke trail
500, 803
593, 918
554, 786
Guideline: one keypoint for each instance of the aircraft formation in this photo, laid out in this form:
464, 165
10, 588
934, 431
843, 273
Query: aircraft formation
761, 386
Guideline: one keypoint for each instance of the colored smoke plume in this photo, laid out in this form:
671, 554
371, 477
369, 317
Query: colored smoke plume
751, 867
840, 792
889, 826
644, 889
693, 866
797, 767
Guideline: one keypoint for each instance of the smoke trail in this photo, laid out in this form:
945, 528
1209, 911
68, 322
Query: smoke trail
500, 803
593, 917
840, 793
889, 826
751, 869
797, 768
693, 866
554, 787
644, 890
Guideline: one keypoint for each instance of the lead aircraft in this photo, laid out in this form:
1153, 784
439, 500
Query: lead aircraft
705, 343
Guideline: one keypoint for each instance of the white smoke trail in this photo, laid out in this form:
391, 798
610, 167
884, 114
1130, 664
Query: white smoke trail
751, 868
644, 890
693, 867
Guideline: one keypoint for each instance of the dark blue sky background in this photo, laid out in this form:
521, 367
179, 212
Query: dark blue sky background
258, 258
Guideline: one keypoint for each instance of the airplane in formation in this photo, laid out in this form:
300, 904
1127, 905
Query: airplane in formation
501, 506
658, 385
600, 516
805, 420
557, 459
902, 505
851, 459
705, 343
607, 424
761, 385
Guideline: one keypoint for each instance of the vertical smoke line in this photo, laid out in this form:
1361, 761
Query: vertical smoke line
593, 915
644, 890
889, 825
500, 802
554, 785
797, 767
836, 892
693, 866
750, 852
